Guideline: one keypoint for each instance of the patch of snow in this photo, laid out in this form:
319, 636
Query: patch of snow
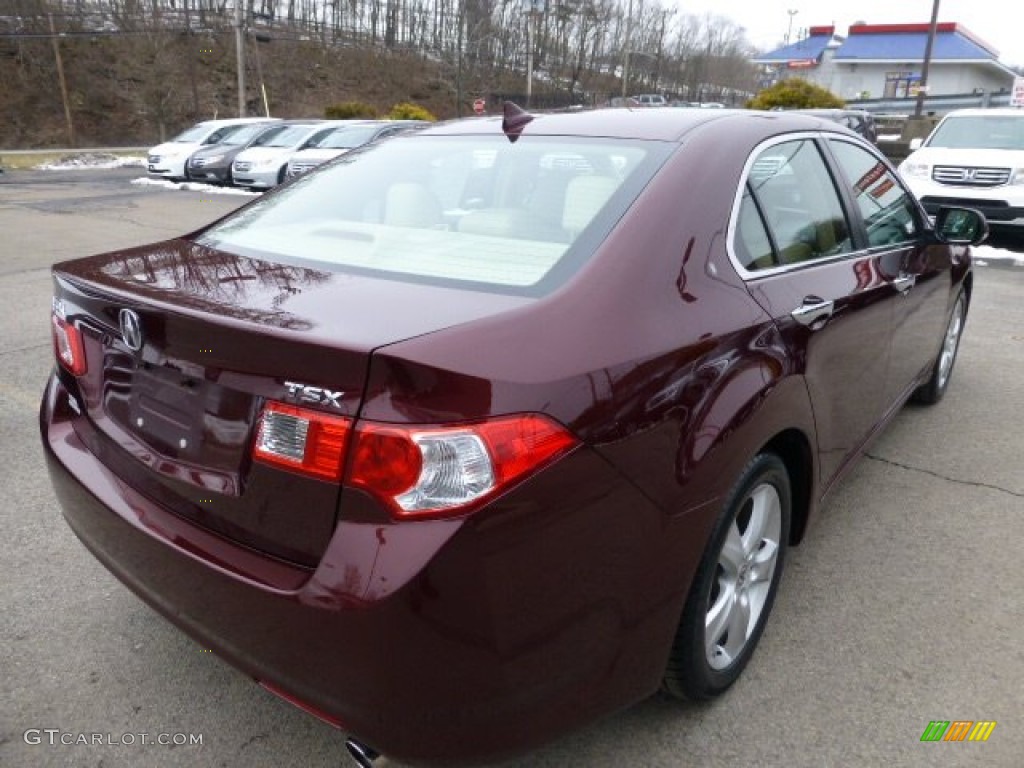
192, 186
92, 161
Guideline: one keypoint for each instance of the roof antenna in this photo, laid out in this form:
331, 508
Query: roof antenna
515, 119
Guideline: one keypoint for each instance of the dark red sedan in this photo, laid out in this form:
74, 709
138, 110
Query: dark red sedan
477, 434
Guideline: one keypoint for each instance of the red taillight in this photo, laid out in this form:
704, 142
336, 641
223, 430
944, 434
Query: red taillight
385, 461
68, 346
416, 471
521, 444
436, 471
302, 440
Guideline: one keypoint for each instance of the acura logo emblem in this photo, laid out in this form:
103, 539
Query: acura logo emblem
131, 329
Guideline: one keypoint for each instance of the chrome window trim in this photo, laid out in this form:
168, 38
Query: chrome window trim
748, 275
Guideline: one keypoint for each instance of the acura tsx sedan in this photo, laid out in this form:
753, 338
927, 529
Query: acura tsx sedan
477, 434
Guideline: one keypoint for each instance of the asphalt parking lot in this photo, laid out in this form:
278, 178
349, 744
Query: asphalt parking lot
903, 605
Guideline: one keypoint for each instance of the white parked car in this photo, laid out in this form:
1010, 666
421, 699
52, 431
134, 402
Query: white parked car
974, 158
264, 163
168, 159
344, 139
651, 100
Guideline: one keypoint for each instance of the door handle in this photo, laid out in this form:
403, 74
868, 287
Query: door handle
904, 283
812, 310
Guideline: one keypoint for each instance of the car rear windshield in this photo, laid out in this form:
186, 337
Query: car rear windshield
477, 211
980, 132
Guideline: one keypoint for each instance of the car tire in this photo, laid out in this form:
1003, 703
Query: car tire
932, 390
280, 174
735, 585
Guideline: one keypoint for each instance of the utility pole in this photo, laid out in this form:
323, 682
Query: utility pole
458, 59
191, 60
63, 83
259, 73
792, 12
240, 57
922, 87
625, 50
529, 56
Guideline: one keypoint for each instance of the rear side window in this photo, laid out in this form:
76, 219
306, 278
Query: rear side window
517, 217
798, 203
753, 248
886, 207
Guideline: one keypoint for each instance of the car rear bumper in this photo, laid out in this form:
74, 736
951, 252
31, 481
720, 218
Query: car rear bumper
447, 640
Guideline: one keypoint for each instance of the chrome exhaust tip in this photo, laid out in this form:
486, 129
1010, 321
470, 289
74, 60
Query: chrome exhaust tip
363, 756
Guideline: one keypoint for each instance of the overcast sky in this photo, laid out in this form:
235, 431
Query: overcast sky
998, 22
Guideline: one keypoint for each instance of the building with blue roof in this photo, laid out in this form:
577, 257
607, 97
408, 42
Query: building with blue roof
883, 61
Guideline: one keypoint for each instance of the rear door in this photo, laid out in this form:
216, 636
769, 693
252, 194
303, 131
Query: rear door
794, 243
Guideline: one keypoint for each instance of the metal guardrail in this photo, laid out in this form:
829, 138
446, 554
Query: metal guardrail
938, 105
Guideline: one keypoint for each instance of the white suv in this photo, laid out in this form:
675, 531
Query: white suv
974, 158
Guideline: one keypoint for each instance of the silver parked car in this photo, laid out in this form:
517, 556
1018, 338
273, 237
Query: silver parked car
263, 164
345, 138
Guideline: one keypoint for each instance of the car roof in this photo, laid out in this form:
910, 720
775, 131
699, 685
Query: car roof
238, 121
625, 123
831, 111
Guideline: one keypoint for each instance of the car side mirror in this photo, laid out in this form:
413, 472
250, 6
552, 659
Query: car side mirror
960, 226
916, 144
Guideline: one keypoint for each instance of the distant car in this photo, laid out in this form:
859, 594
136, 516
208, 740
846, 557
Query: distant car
651, 100
213, 163
711, 105
345, 138
857, 120
168, 160
264, 163
623, 101
974, 157
494, 428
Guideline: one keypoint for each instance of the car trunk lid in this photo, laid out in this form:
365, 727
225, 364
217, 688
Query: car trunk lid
221, 335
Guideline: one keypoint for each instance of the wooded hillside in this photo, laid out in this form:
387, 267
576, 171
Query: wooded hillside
137, 70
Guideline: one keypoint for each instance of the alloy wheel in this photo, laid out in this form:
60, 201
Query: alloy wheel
742, 583
951, 342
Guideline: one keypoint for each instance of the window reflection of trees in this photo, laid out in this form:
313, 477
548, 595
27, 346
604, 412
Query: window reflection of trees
218, 282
